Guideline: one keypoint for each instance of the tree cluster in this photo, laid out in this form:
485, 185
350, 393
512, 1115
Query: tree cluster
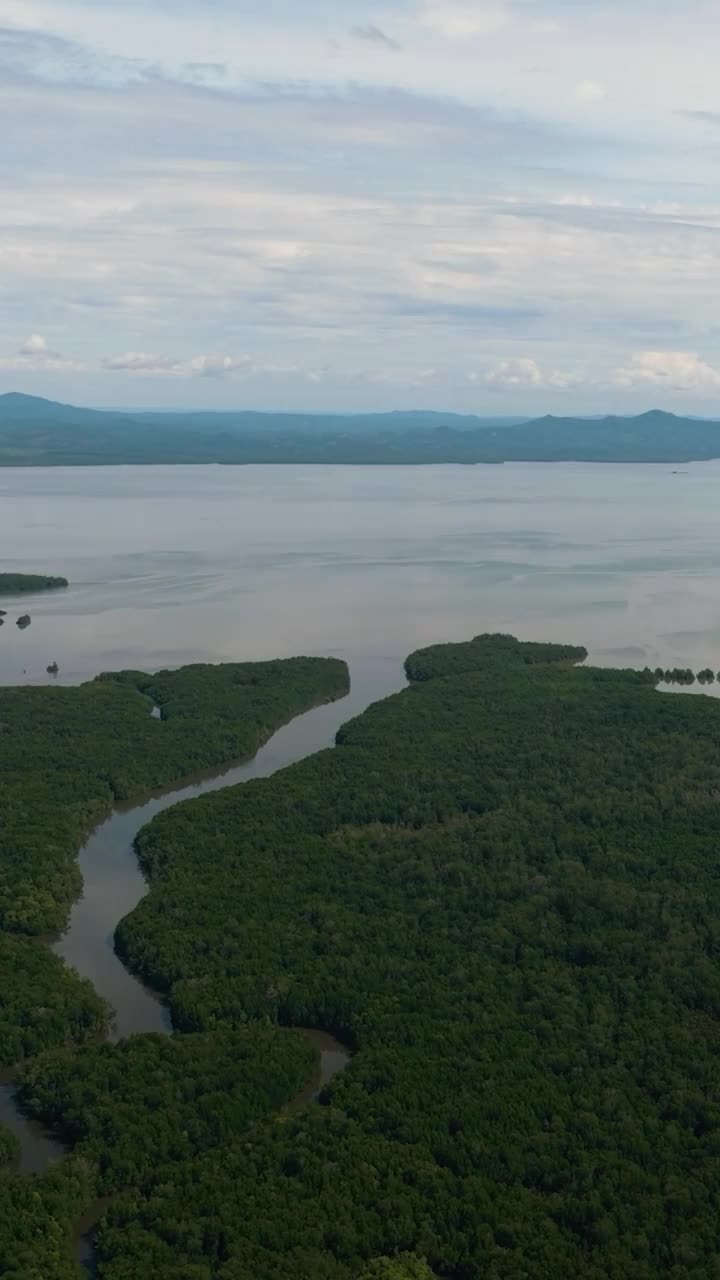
66, 757
501, 890
153, 1100
22, 583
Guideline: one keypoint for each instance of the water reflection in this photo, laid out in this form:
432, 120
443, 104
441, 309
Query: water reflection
38, 1148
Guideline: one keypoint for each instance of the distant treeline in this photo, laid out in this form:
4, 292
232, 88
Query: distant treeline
22, 583
683, 675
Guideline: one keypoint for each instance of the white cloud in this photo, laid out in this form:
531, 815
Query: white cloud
379, 212
673, 370
462, 19
32, 367
404, 378
590, 91
35, 345
218, 366
141, 362
35, 356
138, 301
570, 201
204, 366
524, 372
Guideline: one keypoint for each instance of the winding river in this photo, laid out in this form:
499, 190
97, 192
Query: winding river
113, 884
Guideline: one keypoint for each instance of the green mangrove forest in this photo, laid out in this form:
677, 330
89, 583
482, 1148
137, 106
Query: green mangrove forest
500, 890
67, 756
14, 584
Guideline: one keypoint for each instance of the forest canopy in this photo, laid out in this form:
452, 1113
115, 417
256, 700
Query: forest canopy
66, 757
501, 890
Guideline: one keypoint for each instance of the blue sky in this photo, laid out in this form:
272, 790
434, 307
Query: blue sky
501, 206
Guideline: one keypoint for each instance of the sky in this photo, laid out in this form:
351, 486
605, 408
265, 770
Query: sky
490, 206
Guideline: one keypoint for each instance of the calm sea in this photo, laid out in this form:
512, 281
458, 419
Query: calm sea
179, 564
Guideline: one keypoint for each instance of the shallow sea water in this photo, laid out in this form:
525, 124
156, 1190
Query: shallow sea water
179, 564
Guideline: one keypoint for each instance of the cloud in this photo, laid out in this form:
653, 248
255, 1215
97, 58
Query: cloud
141, 362
569, 200
375, 35
14, 364
204, 366
704, 117
456, 310
218, 366
458, 20
379, 213
36, 349
34, 355
42, 56
674, 370
524, 372
590, 91
35, 345
406, 378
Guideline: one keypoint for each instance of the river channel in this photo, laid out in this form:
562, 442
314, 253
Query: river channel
113, 884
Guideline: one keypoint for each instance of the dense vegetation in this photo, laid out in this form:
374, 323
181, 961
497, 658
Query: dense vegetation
37, 1217
21, 583
404, 1267
460, 659
40, 432
66, 756
502, 889
684, 675
9, 1150
42, 1003
112, 1103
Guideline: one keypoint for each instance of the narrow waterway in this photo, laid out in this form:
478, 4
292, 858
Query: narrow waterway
113, 884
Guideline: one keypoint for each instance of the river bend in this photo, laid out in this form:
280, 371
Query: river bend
113, 884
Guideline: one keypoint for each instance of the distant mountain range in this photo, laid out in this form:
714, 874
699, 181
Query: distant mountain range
36, 432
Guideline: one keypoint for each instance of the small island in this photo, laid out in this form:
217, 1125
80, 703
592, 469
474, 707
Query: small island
13, 584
